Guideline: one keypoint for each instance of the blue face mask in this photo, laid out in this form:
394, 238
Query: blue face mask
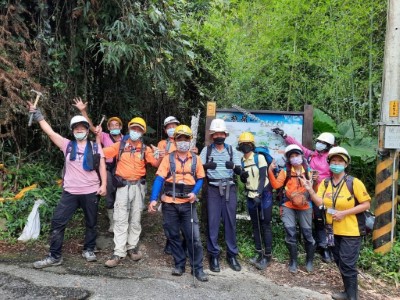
336, 169
134, 135
296, 161
320, 146
115, 131
80, 136
170, 132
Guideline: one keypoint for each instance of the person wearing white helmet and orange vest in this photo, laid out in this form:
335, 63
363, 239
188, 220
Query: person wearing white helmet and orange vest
132, 156
83, 182
318, 163
296, 205
346, 199
114, 126
221, 162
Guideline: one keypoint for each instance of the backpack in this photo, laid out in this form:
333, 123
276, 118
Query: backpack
227, 147
369, 217
122, 148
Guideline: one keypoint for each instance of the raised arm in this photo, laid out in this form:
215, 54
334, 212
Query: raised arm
38, 117
82, 107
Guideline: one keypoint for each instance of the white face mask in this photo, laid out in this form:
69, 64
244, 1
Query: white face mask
320, 146
80, 136
296, 161
170, 132
182, 146
134, 135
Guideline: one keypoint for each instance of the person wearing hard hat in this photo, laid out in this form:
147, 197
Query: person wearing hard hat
114, 126
346, 199
221, 162
132, 155
84, 181
320, 167
259, 199
296, 205
182, 174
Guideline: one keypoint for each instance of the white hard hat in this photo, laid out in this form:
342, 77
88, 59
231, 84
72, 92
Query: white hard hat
78, 119
170, 120
218, 125
340, 151
292, 149
327, 137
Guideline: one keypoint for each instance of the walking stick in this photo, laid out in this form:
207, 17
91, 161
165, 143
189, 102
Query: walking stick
191, 221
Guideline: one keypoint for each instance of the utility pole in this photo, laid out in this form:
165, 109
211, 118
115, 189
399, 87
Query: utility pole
389, 136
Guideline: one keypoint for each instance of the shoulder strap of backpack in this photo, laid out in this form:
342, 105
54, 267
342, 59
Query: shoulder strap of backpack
95, 148
256, 158
194, 164
349, 184
69, 148
172, 165
121, 148
208, 153
230, 151
111, 138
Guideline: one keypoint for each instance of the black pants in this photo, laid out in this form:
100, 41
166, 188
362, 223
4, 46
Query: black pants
64, 211
346, 252
263, 224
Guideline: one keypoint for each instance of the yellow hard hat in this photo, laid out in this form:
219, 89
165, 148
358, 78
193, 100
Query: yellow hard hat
138, 122
246, 137
114, 119
183, 130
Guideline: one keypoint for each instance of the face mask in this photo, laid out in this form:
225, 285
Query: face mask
134, 135
182, 146
170, 132
296, 161
336, 169
219, 140
115, 131
80, 136
245, 148
320, 146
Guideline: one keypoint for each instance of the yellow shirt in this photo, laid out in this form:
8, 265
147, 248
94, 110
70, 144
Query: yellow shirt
350, 225
254, 174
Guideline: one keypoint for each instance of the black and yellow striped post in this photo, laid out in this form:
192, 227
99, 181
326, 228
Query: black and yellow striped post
389, 137
386, 200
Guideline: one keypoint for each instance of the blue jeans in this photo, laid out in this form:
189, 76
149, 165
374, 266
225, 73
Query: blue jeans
177, 218
64, 211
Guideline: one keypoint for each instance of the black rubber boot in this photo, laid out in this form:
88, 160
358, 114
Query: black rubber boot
352, 288
293, 257
341, 295
264, 262
310, 250
257, 258
325, 255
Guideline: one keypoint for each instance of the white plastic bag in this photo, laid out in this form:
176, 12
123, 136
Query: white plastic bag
32, 228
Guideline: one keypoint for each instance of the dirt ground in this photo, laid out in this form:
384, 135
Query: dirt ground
325, 279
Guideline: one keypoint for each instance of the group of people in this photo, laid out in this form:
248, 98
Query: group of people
313, 185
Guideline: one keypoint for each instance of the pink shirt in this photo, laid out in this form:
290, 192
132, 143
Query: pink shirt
318, 161
106, 141
77, 181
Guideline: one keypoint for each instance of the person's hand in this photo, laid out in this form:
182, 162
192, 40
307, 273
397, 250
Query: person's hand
79, 104
257, 200
279, 131
338, 216
229, 165
314, 175
192, 197
195, 150
98, 130
37, 114
243, 176
306, 183
272, 165
102, 190
211, 165
152, 206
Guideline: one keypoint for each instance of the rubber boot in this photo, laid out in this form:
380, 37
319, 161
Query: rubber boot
310, 250
352, 288
264, 262
341, 295
257, 258
110, 213
293, 257
325, 255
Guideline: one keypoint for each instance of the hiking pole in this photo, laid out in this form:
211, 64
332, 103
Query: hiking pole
102, 120
259, 230
191, 221
38, 95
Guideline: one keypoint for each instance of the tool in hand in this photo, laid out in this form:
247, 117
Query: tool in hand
38, 95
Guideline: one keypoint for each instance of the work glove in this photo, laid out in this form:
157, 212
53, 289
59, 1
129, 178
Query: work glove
37, 115
257, 200
279, 131
211, 165
243, 176
229, 165
237, 170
